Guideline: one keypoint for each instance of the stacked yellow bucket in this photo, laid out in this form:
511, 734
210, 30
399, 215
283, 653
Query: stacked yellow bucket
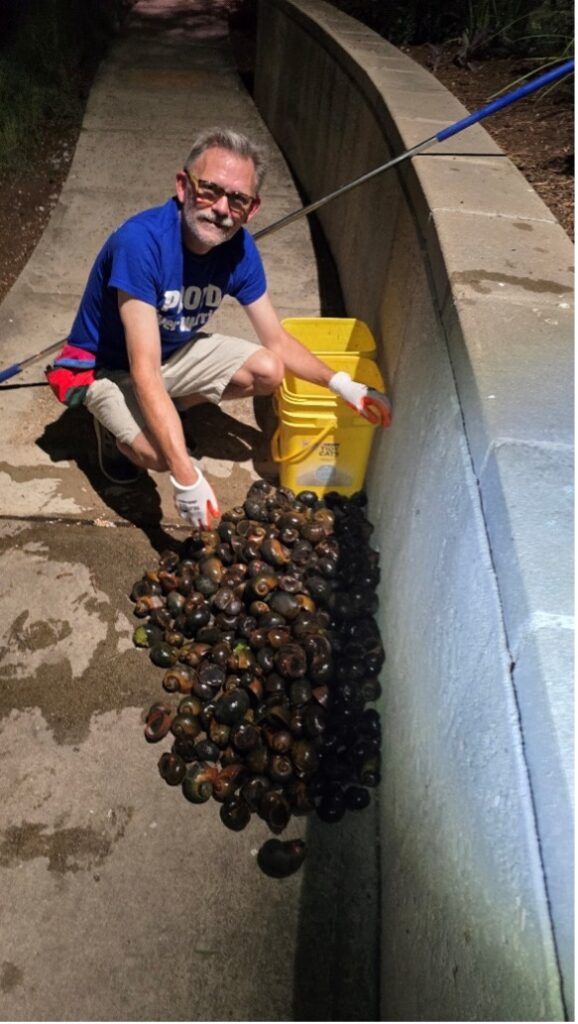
320, 443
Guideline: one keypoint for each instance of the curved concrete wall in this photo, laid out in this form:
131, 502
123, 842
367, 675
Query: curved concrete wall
465, 278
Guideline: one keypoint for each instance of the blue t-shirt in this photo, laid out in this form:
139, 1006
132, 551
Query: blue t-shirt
146, 258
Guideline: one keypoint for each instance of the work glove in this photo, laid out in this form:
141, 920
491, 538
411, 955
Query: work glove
368, 402
197, 503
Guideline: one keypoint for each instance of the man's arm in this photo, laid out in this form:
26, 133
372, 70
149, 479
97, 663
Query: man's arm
143, 344
272, 335
371, 404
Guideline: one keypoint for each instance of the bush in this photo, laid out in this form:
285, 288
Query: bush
48, 54
513, 26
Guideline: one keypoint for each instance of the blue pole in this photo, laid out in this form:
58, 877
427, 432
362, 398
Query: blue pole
446, 133
510, 97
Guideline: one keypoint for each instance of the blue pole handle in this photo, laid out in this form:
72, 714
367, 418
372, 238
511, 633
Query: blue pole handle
11, 371
504, 101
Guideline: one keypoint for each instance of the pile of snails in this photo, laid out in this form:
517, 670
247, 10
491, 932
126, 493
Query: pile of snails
265, 629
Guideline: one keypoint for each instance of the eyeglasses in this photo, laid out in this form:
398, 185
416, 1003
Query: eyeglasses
208, 192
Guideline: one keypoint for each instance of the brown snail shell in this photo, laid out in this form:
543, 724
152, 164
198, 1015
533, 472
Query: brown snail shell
145, 588
185, 727
178, 680
262, 585
190, 706
147, 604
280, 768
219, 733
158, 722
168, 580
227, 780
274, 552
290, 582
305, 603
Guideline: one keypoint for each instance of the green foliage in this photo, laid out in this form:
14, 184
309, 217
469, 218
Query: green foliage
48, 52
507, 26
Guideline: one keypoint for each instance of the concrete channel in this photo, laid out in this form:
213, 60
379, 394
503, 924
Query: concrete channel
447, 899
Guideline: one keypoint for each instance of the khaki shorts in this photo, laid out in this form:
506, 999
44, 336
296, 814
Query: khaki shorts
202, 367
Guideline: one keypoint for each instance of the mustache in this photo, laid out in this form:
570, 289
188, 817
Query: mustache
218, 220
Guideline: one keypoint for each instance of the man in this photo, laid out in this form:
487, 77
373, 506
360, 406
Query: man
150, 293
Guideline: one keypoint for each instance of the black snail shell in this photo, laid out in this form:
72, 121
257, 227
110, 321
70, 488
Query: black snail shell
172, 768
232, 706
280, 859
235, 812
198, 783
265, 628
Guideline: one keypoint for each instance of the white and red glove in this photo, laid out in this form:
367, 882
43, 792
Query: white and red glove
197, 503
368, 402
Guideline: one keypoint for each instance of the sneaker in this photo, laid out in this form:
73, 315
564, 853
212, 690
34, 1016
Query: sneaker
115, 466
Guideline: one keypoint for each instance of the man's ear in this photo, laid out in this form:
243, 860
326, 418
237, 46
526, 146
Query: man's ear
181, 185
254, 208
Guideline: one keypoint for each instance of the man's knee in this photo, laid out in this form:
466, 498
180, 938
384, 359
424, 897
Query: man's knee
268, 371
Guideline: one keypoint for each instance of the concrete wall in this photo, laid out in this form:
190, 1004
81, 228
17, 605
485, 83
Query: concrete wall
465, 277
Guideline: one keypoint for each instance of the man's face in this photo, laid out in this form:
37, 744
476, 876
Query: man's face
205, 223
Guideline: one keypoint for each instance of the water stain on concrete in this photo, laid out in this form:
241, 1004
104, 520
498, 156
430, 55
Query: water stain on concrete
476, 279
67, 627
10, 976
37, 635
66, 849
27, 474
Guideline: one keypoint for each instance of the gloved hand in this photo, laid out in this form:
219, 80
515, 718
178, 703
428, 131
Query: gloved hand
197, 503
368, 402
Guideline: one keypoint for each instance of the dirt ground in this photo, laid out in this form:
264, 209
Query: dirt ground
537, 134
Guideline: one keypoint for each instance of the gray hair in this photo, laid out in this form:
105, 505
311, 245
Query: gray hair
235, 142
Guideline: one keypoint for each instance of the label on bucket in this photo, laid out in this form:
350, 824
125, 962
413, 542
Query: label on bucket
328, 474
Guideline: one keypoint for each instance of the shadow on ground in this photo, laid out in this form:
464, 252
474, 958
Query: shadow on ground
336, 973
210, 432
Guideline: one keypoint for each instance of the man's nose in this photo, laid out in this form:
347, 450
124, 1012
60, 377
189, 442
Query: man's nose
222, 206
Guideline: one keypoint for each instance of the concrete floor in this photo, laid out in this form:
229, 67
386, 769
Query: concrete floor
121, 900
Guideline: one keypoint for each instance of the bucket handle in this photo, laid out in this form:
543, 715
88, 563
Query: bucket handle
296, 456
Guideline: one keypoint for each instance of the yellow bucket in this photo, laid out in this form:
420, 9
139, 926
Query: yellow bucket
323, 335
320, 443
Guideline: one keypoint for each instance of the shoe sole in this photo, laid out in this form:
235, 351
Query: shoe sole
113, 479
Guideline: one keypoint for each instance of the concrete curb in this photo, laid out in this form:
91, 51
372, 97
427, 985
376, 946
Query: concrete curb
455, 255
